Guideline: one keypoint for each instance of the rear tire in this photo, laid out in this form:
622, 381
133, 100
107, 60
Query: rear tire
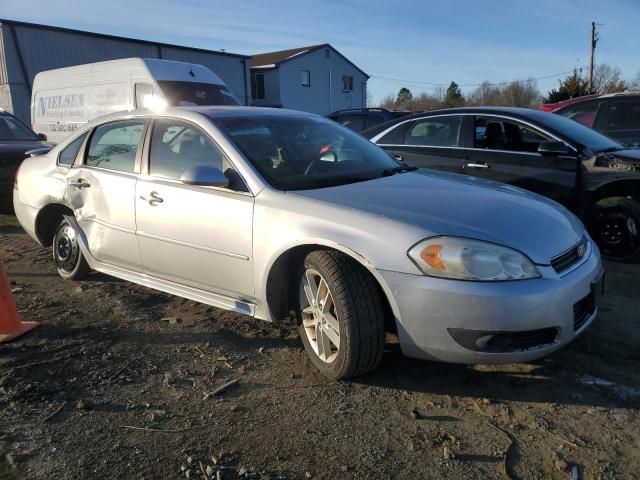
69, 260
343, 330
614, 224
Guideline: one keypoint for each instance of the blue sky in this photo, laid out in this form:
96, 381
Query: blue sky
428, 41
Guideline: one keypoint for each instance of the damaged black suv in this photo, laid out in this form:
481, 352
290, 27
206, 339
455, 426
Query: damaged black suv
593, 175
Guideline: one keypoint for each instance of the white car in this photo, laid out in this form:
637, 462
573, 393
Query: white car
267, 212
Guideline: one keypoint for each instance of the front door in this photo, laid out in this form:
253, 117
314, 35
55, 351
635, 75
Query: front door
101, 190
196, 236
431, 142
506, 150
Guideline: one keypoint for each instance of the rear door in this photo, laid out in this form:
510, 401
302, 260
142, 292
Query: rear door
432, 142
191, 235
101, 190
620, 119
506, 150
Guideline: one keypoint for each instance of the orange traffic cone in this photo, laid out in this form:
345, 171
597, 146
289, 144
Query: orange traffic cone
10, 324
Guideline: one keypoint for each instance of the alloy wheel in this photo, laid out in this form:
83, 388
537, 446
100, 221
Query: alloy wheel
319, 317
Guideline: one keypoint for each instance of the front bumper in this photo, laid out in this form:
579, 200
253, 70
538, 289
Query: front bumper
429, 310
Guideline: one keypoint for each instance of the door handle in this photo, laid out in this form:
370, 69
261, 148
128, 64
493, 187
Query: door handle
79, 184
477, 165
154, 199
399, 157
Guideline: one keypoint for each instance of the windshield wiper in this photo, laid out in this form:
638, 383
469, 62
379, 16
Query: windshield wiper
387, 172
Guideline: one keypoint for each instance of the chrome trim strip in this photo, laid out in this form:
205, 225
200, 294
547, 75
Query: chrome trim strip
191, 245
392, 145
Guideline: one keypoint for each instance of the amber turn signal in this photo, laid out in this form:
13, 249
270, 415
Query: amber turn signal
433, 256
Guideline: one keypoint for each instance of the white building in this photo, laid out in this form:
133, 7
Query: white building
316, 79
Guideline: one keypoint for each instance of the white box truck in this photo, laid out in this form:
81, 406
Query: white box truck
64, 99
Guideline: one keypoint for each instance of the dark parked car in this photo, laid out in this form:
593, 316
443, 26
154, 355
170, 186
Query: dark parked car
359, 119
592, 175
16, 139
616, 115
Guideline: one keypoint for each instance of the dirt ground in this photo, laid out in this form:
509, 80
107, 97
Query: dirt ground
119, 382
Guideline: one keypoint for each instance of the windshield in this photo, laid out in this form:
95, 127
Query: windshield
12, 129
594, 141
189, 94
301, 152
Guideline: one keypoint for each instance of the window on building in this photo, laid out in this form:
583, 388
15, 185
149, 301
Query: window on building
347, 83
257, 86
305, 78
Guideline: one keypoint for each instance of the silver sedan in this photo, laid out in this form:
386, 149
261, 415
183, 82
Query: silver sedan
272, 213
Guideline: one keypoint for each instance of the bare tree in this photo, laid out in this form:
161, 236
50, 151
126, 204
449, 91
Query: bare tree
608, 79
635, 83
514, 94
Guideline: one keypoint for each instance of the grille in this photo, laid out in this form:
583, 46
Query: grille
569, 258
582, 310
532, 339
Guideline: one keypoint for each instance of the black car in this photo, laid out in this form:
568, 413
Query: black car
616, 115
16, 139
594, 176
359, 119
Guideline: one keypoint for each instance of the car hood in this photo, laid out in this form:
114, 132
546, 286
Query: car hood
457, 205
17, 150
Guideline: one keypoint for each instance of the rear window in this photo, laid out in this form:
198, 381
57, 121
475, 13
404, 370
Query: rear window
185, 94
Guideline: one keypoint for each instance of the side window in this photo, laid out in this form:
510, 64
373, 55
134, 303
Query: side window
373, 120
177, 146
114, 145
500, 134
70, 152
620, 116
584, 113
435, 131
146, 96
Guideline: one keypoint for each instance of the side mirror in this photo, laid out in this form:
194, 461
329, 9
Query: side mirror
553, 148
205, 176
42, 136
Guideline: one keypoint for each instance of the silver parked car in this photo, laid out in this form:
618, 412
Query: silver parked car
267, 212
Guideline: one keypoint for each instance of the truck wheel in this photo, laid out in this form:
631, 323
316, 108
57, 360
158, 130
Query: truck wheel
340, 314
67, 254
614, 223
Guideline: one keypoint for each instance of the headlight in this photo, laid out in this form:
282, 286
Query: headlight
467, 259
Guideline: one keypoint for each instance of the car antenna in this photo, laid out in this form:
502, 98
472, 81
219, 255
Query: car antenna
191, 70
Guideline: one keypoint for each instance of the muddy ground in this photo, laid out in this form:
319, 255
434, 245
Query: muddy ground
119, 382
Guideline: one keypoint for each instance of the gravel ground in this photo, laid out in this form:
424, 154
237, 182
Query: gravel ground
121, 381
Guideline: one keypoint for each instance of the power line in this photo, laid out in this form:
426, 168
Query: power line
431, 84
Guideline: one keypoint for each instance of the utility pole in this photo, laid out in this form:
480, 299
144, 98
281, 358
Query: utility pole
594, 41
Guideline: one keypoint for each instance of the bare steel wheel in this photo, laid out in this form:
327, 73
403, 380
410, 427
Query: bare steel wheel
319, 317
67, 254
340, 314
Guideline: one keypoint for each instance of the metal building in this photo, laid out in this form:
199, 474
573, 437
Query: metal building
28, 48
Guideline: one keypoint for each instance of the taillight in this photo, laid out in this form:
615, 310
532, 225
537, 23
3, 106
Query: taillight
15, 176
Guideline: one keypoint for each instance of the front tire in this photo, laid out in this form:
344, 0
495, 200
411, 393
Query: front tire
340, 315
614, 224
69, 260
